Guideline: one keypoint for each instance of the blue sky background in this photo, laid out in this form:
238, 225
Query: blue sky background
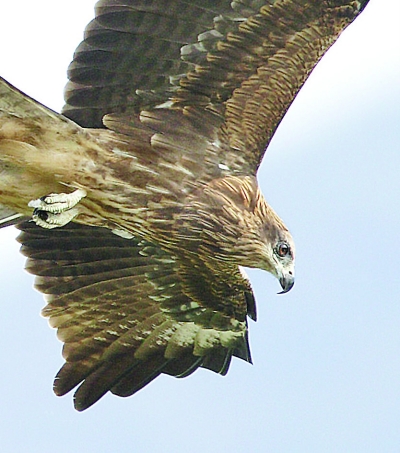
326, 374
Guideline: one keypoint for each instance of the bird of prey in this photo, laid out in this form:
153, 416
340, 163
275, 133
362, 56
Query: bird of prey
144, 192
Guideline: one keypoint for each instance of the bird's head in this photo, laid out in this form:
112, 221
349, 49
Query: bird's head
268, 245
279, 253
258, 238
276, 250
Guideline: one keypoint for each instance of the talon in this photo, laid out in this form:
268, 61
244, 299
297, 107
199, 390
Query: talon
56, 210
58, 202
43, 215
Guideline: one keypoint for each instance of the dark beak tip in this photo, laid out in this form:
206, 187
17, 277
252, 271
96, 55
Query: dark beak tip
287, 283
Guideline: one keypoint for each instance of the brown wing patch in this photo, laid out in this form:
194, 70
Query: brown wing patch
245, 60
256, 70
125, 311
131, 54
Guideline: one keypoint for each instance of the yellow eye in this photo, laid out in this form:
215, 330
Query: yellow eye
283, 250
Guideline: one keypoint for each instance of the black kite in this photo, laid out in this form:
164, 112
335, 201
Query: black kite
153, 202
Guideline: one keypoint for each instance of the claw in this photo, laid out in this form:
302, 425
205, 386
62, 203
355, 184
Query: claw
58, 202
56, 210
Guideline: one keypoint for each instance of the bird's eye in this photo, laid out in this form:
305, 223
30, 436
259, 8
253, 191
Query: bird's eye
283, 249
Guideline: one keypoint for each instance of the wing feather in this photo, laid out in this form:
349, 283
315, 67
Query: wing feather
130, 54
243, 60
198, 90
127, 311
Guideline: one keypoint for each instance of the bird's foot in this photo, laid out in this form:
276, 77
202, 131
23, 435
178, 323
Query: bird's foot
56, 209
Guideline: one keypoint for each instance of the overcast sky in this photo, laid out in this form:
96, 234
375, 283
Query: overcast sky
326, 373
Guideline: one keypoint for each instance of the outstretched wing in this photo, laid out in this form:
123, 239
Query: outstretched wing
128, 311
198, 89
130, 56
245, 60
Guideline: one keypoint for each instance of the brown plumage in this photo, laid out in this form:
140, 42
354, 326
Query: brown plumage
169, 110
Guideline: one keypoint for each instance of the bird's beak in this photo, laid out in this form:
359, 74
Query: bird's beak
287, 282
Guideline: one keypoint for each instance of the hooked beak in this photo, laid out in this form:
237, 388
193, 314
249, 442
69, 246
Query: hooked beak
287, 282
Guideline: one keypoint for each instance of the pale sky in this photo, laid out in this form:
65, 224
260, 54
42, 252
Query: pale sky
326, 373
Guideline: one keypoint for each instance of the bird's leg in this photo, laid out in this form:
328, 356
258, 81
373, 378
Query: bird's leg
56, 209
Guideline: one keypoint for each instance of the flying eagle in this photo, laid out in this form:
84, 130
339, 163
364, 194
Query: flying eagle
144, 192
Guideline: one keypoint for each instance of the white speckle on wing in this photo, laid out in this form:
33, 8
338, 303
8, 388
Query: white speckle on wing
189, 306
157, 189
165, 105
160, 297
176, 167
185, 334
223, 167
122, 233
205, 339
121, 153
229, 338
112, 332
